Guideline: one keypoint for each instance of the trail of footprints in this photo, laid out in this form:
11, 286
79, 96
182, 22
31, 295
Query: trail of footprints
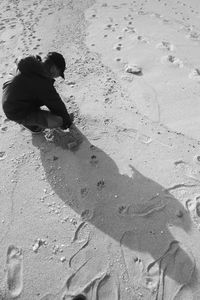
144, 8
14, 278
18, 28
153, 275
14, 261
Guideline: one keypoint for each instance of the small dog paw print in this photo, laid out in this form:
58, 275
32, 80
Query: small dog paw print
100, 184
93, 160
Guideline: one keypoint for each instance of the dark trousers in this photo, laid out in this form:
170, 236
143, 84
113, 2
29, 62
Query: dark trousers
42, 119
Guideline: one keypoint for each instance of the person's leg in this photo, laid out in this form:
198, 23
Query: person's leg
53, 121
41, 119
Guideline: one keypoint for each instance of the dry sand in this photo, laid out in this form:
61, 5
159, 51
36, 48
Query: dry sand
118, 217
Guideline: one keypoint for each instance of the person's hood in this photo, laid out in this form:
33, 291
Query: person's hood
31, 65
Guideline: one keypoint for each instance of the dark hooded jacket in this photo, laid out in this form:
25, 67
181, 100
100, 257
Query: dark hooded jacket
30, 89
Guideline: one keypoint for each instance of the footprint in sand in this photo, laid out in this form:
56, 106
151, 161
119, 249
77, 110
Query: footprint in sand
93, 160
198, 209
135, 265
166, 275
87, 214
195, 74
193, 36
108, 289
14, 265
4, 129
165, 46
118, 47
197, 159
193, 205
179, 162
143, 209
100, 184
92, 147
84, 192
3, 155
172, 60
77, 288
122, 209
107, 121
142, 39
179, 262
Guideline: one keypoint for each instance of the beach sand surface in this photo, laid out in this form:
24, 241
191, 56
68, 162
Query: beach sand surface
118, 216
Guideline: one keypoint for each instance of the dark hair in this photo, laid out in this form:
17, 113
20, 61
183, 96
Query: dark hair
55, 58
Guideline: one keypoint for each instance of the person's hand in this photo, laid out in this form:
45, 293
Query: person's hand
71, 115
73, 130
72, 127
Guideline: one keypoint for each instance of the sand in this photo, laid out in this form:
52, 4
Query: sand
118, 216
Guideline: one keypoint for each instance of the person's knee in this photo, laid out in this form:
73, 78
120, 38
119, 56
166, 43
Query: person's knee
55, 122
59, 121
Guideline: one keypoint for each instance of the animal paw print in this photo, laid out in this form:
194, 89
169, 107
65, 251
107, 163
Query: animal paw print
100, 184
165, 46
170, 59
122, 209
92, 147
93, 160
84, 192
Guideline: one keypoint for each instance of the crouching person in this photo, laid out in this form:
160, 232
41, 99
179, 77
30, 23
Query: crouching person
33, 87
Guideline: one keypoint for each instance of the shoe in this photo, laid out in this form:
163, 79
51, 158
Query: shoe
33, 129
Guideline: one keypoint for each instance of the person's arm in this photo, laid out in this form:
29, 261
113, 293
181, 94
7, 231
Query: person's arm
57, 107
55, 104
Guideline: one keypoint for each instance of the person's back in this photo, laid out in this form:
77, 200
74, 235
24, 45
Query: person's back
20, 94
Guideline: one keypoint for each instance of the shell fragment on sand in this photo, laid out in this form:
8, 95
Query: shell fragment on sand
39, 242
63, 259
134, 69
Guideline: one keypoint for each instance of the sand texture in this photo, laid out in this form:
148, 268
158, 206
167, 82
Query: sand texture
115, 215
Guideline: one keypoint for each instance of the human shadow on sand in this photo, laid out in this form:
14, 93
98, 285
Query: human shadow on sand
138, 213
